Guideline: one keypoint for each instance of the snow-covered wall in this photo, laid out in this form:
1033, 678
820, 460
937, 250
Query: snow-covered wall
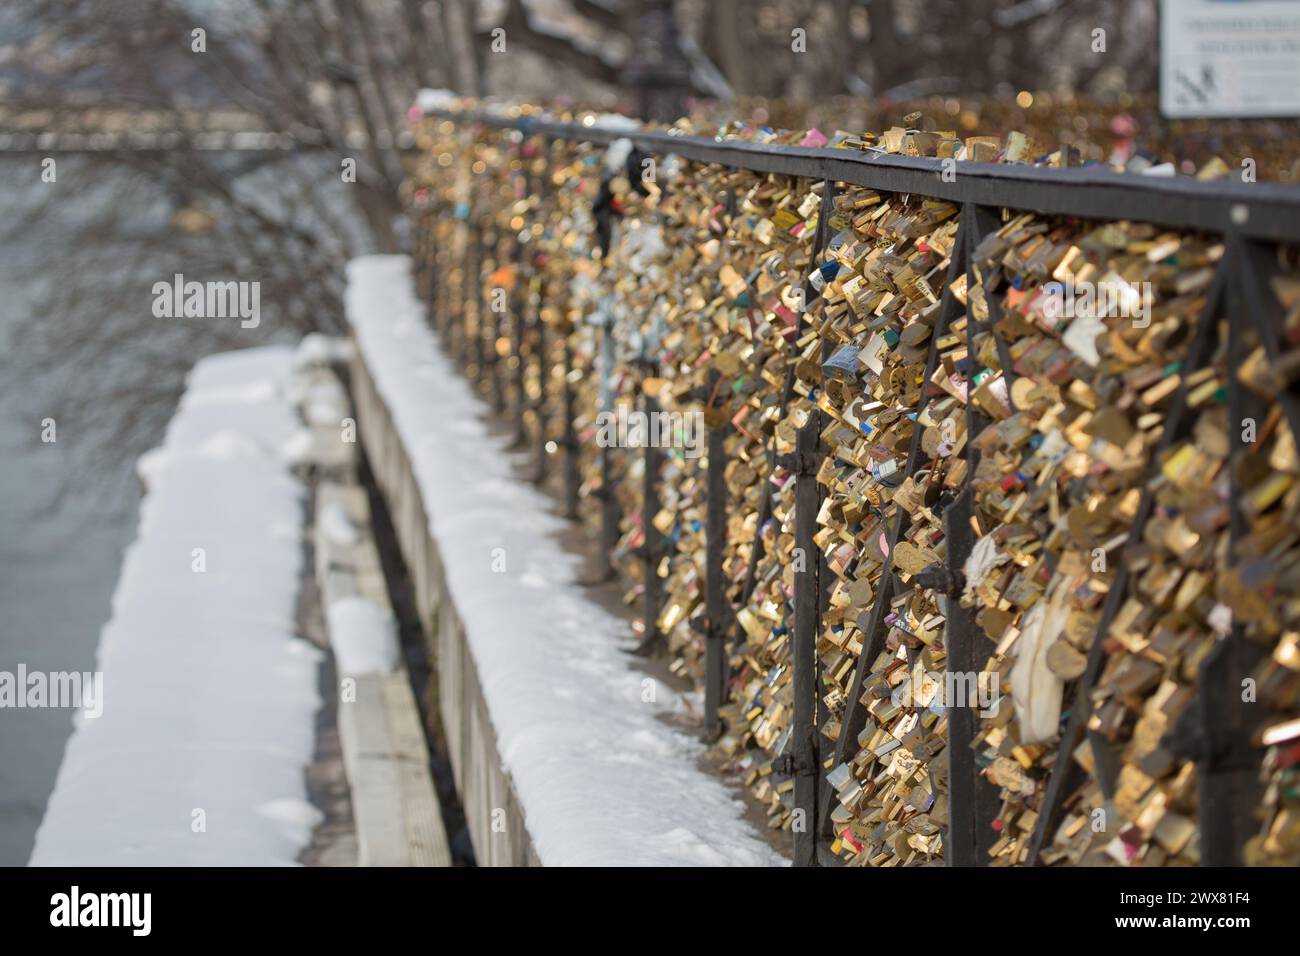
602, 778
209, 695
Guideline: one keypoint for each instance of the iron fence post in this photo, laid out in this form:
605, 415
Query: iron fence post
1228, 788
805, 751
432, 297
543, 379
715, 588
972, 800
610, 516
482, 332
572, 475
521, 398
653, 640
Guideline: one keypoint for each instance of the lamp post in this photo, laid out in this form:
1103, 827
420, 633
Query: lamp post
656, 73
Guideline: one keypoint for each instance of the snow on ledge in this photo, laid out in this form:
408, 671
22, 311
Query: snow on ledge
209, 696
602, 780
432, 100
363, 636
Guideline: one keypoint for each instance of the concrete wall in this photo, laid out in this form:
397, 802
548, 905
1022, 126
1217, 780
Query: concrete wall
481, 781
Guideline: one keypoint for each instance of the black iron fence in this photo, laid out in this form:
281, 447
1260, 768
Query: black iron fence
1252, 218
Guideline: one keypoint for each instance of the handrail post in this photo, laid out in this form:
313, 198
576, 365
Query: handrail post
472, 331
543, 378
610, 517
443, 319
973, 802
482, 357
572, 475
652, 640
715, 593
805, 762
493, 330
458, 318
1228, 768
433, 291
541, 186
521, 399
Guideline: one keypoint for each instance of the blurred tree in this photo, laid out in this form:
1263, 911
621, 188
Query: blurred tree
322, 85
331, 81
895, 48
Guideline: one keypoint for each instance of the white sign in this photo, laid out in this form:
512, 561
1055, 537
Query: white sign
1229, 58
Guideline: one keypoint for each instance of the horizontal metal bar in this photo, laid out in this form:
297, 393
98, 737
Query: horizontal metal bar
1256, 210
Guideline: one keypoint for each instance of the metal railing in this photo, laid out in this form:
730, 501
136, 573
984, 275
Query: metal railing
1250, 217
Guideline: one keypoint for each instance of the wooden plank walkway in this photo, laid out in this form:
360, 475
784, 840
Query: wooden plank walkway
394, 803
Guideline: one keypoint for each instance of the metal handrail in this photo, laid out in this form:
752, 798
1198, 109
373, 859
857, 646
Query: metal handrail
1269, 211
